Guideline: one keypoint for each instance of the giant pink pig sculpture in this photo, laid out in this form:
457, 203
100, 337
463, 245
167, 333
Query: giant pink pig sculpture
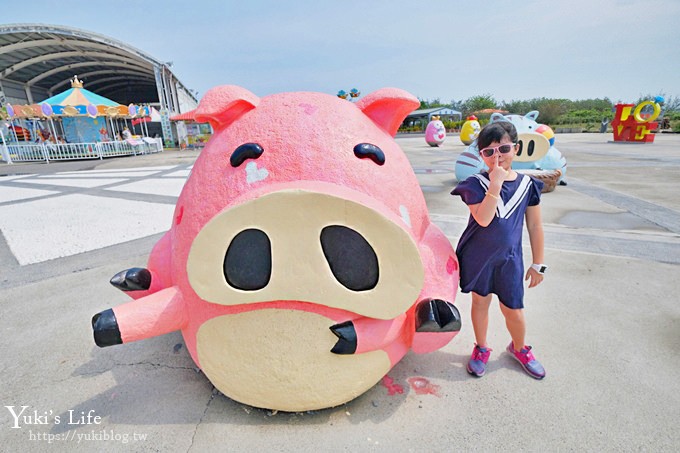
301, 264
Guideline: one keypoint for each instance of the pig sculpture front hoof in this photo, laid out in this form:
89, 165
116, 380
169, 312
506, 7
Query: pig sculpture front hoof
436, 315
134, 279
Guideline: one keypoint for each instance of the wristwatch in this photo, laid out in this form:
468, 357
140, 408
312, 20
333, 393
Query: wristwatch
540, 268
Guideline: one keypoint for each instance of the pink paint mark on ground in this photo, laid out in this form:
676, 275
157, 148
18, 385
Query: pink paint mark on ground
392, 388
423, 387
308, 108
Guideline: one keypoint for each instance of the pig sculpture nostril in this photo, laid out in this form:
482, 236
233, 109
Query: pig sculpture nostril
530, 148
248, 261
351, 258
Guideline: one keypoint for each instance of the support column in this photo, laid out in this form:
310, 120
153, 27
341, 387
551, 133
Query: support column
3, 149
29, 95
3, 99
166, 126
173, 93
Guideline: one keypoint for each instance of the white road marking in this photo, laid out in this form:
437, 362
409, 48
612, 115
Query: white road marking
42, 230
90, 174
118, 170
13, 177
18, 193
183, 173
155, 186
73, 182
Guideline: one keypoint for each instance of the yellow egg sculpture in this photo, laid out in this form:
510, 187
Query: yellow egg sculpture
470, 130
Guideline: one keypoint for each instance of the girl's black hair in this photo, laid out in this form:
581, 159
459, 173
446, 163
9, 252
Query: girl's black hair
494, 132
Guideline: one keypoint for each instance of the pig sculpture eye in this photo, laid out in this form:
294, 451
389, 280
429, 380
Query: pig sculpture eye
369, 151
350, 257
244, 152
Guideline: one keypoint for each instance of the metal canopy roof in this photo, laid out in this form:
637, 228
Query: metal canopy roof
45, 57
441, 111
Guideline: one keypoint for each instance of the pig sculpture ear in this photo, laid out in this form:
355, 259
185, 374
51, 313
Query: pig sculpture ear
388, 107
224, 104
497, 118
533, 115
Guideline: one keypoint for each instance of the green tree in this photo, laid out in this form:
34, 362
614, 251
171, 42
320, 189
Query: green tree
555, 111
551, 109
518, 107
670, 103
430, 104
477, 103
602, 105
456, 105
561, 111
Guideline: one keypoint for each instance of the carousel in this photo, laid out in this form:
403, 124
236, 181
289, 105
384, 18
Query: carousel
76, 124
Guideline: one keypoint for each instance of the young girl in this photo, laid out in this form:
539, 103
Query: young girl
490, 249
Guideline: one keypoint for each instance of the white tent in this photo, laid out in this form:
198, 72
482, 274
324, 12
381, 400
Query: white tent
155, 116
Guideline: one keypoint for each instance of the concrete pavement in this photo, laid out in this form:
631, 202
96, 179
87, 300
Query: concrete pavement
605, 322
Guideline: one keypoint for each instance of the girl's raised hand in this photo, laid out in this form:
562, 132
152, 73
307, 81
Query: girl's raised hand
497, 173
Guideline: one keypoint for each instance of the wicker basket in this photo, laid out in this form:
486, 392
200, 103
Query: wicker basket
549, 178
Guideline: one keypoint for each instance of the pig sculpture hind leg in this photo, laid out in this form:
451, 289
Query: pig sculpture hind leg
156, 314
436, 315
105, 328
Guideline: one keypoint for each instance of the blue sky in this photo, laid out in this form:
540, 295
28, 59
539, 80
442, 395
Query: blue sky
452, 50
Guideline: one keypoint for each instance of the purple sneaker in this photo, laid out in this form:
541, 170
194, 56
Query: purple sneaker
526, 358
477, 364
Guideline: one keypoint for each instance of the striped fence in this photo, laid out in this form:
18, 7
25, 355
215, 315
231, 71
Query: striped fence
46, 152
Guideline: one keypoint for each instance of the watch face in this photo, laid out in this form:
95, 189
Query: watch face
540, 268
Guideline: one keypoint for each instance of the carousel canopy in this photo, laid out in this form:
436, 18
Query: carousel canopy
76, 101
77, 95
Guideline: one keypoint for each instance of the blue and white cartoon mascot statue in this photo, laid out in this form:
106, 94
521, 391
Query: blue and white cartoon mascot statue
536, 153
